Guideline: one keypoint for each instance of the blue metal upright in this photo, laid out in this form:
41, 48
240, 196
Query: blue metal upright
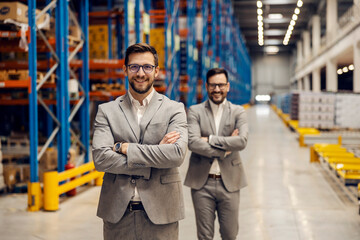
84, 110
137, 21
109, 21
191, 46
167, 35
126, 35
33, 107
205, 39
63, 105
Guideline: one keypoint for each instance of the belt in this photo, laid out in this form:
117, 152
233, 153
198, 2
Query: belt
133, 206
214, 176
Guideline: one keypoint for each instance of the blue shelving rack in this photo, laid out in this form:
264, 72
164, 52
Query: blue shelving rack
64, 115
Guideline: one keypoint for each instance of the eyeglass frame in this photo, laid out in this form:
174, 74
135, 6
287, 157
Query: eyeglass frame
221, 86
142, 66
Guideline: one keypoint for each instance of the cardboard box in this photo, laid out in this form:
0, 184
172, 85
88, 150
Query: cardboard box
48, 161
11, 175
14, 10
17, 11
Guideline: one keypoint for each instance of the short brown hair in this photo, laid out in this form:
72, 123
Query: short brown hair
215, 71
141, 48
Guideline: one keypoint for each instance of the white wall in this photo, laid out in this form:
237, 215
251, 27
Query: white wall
271, 73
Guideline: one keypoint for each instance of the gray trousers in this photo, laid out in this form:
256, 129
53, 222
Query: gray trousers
136, 225
213, 197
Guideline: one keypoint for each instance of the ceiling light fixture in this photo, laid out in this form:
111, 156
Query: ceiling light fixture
294, 18
351, 67
260, 23
339, 72
275, 16
272, 49
345, 69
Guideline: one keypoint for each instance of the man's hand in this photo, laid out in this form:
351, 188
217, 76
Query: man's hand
124, 147
170, 138
206, 139
235, 132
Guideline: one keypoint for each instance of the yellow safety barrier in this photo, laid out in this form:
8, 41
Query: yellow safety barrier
53, 189
318, 148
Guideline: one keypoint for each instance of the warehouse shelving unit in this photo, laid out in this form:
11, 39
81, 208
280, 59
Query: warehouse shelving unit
61, 57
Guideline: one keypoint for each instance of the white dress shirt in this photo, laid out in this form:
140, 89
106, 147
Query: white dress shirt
217, 110
139, 110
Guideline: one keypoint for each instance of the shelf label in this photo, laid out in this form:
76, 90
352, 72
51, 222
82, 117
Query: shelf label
177, 43
207, 62
168, 37
196, 54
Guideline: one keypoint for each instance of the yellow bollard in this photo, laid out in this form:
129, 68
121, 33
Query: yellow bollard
51, 192
34, 197
339, 140
301, 141
99, 180
313, 155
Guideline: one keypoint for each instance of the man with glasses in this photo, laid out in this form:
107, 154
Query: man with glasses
218, 130
140, 140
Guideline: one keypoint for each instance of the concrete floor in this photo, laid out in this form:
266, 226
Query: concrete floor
287, 198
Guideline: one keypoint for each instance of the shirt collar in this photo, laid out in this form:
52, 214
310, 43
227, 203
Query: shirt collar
215, 107
146, 100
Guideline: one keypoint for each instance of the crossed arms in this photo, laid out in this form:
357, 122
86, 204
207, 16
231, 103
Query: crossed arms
138, 159
217, 146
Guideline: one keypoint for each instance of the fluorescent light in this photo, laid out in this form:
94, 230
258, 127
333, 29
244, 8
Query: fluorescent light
275, 16
259, 4
292, 23
272, 49
260, 18
259, 11
351, 67
262, 98
345, 69
339, 72
297, 11
299, 3
294, 17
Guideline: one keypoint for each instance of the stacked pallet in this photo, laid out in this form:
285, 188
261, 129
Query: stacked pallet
316, 110
345, 114
294, 106
15, 74
157, 40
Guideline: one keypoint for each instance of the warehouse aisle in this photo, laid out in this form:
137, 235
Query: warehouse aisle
287, 198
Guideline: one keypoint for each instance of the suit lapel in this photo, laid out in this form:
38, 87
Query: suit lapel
210, 116
154, 105
126, 107
224, 117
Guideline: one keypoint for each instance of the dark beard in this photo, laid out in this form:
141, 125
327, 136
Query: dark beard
138, 90
217, 102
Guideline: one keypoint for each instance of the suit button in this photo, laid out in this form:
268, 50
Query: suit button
133, 181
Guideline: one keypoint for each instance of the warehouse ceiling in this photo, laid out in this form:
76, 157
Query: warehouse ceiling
275, 29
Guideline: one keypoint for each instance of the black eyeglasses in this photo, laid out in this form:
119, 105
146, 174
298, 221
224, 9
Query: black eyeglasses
222, 86
147, 68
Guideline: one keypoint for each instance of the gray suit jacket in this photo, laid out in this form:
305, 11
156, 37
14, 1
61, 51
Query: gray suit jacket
201, 124
159, 187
